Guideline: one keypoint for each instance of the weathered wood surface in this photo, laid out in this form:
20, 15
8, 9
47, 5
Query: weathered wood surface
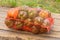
8, 34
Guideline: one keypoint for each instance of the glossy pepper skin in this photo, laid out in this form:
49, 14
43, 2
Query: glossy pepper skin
29, 19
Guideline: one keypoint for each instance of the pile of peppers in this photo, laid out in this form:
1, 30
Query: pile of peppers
35, 20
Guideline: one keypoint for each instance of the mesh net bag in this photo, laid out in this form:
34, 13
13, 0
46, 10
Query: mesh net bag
35, 20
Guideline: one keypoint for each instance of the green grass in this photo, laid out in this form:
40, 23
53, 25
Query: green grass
51, 5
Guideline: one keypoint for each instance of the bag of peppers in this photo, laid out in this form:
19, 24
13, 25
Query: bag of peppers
35, 20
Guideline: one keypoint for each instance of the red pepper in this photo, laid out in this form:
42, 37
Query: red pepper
26, 28
51, 20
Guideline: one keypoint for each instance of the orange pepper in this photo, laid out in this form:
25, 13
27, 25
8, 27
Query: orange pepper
13, 13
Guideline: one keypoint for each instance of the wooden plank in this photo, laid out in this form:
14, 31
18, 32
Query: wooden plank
15, 35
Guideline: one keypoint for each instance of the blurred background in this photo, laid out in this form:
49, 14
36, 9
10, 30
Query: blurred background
51, 5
